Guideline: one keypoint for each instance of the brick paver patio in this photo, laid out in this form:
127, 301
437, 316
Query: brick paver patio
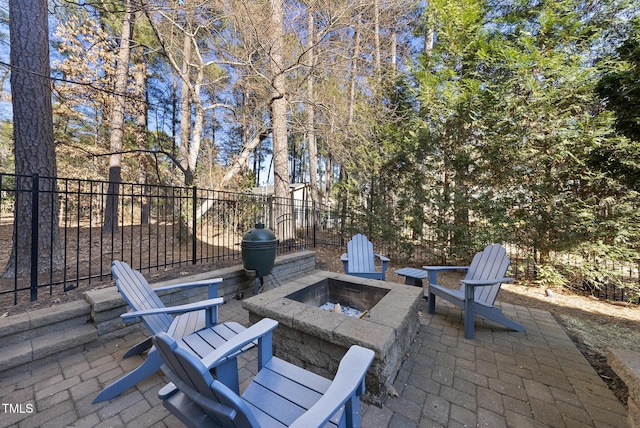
500, 379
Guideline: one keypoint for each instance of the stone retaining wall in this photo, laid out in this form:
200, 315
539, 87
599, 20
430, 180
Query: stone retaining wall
107, 305
626, 364
38, 334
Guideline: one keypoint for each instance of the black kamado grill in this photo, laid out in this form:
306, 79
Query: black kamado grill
259, 253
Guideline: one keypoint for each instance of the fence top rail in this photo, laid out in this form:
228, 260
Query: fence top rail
199, 192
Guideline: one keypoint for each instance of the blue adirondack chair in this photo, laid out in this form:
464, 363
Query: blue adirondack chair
478, 290
280, 395
359, 260
193, 322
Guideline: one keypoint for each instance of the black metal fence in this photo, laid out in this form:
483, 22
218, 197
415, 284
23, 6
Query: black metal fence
155, 226
159, 226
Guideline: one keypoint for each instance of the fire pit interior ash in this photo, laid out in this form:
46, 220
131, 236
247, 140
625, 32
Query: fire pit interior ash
360, 297
317, 339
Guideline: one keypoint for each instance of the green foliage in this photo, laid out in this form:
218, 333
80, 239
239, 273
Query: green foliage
620, 87
590, 267
548, 276
505, 139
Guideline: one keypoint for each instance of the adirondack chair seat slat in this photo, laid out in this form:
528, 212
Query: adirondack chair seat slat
202, 342
267, 393
147, 306
265, 419
359, 260
309, 379
285, 380
280, 395
478, 291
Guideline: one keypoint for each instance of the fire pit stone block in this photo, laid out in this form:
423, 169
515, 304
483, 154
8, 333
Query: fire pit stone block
317, 339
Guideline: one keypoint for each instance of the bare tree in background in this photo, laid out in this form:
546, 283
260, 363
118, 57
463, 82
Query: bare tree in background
117, 121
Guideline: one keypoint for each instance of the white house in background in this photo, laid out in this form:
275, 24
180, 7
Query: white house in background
300, 191
300, 194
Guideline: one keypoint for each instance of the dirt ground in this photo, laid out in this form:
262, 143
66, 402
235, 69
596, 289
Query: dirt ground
592, 324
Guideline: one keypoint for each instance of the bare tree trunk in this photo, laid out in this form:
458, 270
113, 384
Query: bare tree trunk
311, 126
279, 122
279, 103
244, 121
328, 177
141, 136
429, 37
353, 74
241, 161
117, 121
33, 137
198, 126
376, 38
394, 48
174, 117
185, 111
350, 112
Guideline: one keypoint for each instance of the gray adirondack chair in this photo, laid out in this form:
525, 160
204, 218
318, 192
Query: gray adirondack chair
478, 290
147, 306
359, 260
280, 395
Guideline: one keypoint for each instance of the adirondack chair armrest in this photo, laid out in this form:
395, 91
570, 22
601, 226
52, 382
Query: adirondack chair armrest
349, 380
382, 258
193, 284
232, 347
484, 282
180, 309
433, 271
344, 258
445, 268
212, 283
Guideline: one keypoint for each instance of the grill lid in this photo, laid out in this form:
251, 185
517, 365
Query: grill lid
259, 237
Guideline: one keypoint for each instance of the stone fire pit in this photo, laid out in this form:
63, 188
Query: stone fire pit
316, 339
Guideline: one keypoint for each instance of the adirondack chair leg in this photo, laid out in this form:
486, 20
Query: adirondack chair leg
212, 312
431, 300
149, 366
265, 350
352, 412
469, 313
431, 304
494, 314
211, 316
139, 348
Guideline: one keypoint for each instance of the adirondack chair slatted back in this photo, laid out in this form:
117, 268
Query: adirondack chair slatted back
490, 263
193, 378
360, 251
139, 295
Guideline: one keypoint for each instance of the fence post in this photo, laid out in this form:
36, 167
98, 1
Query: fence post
35, 191
194, 238
271, 225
